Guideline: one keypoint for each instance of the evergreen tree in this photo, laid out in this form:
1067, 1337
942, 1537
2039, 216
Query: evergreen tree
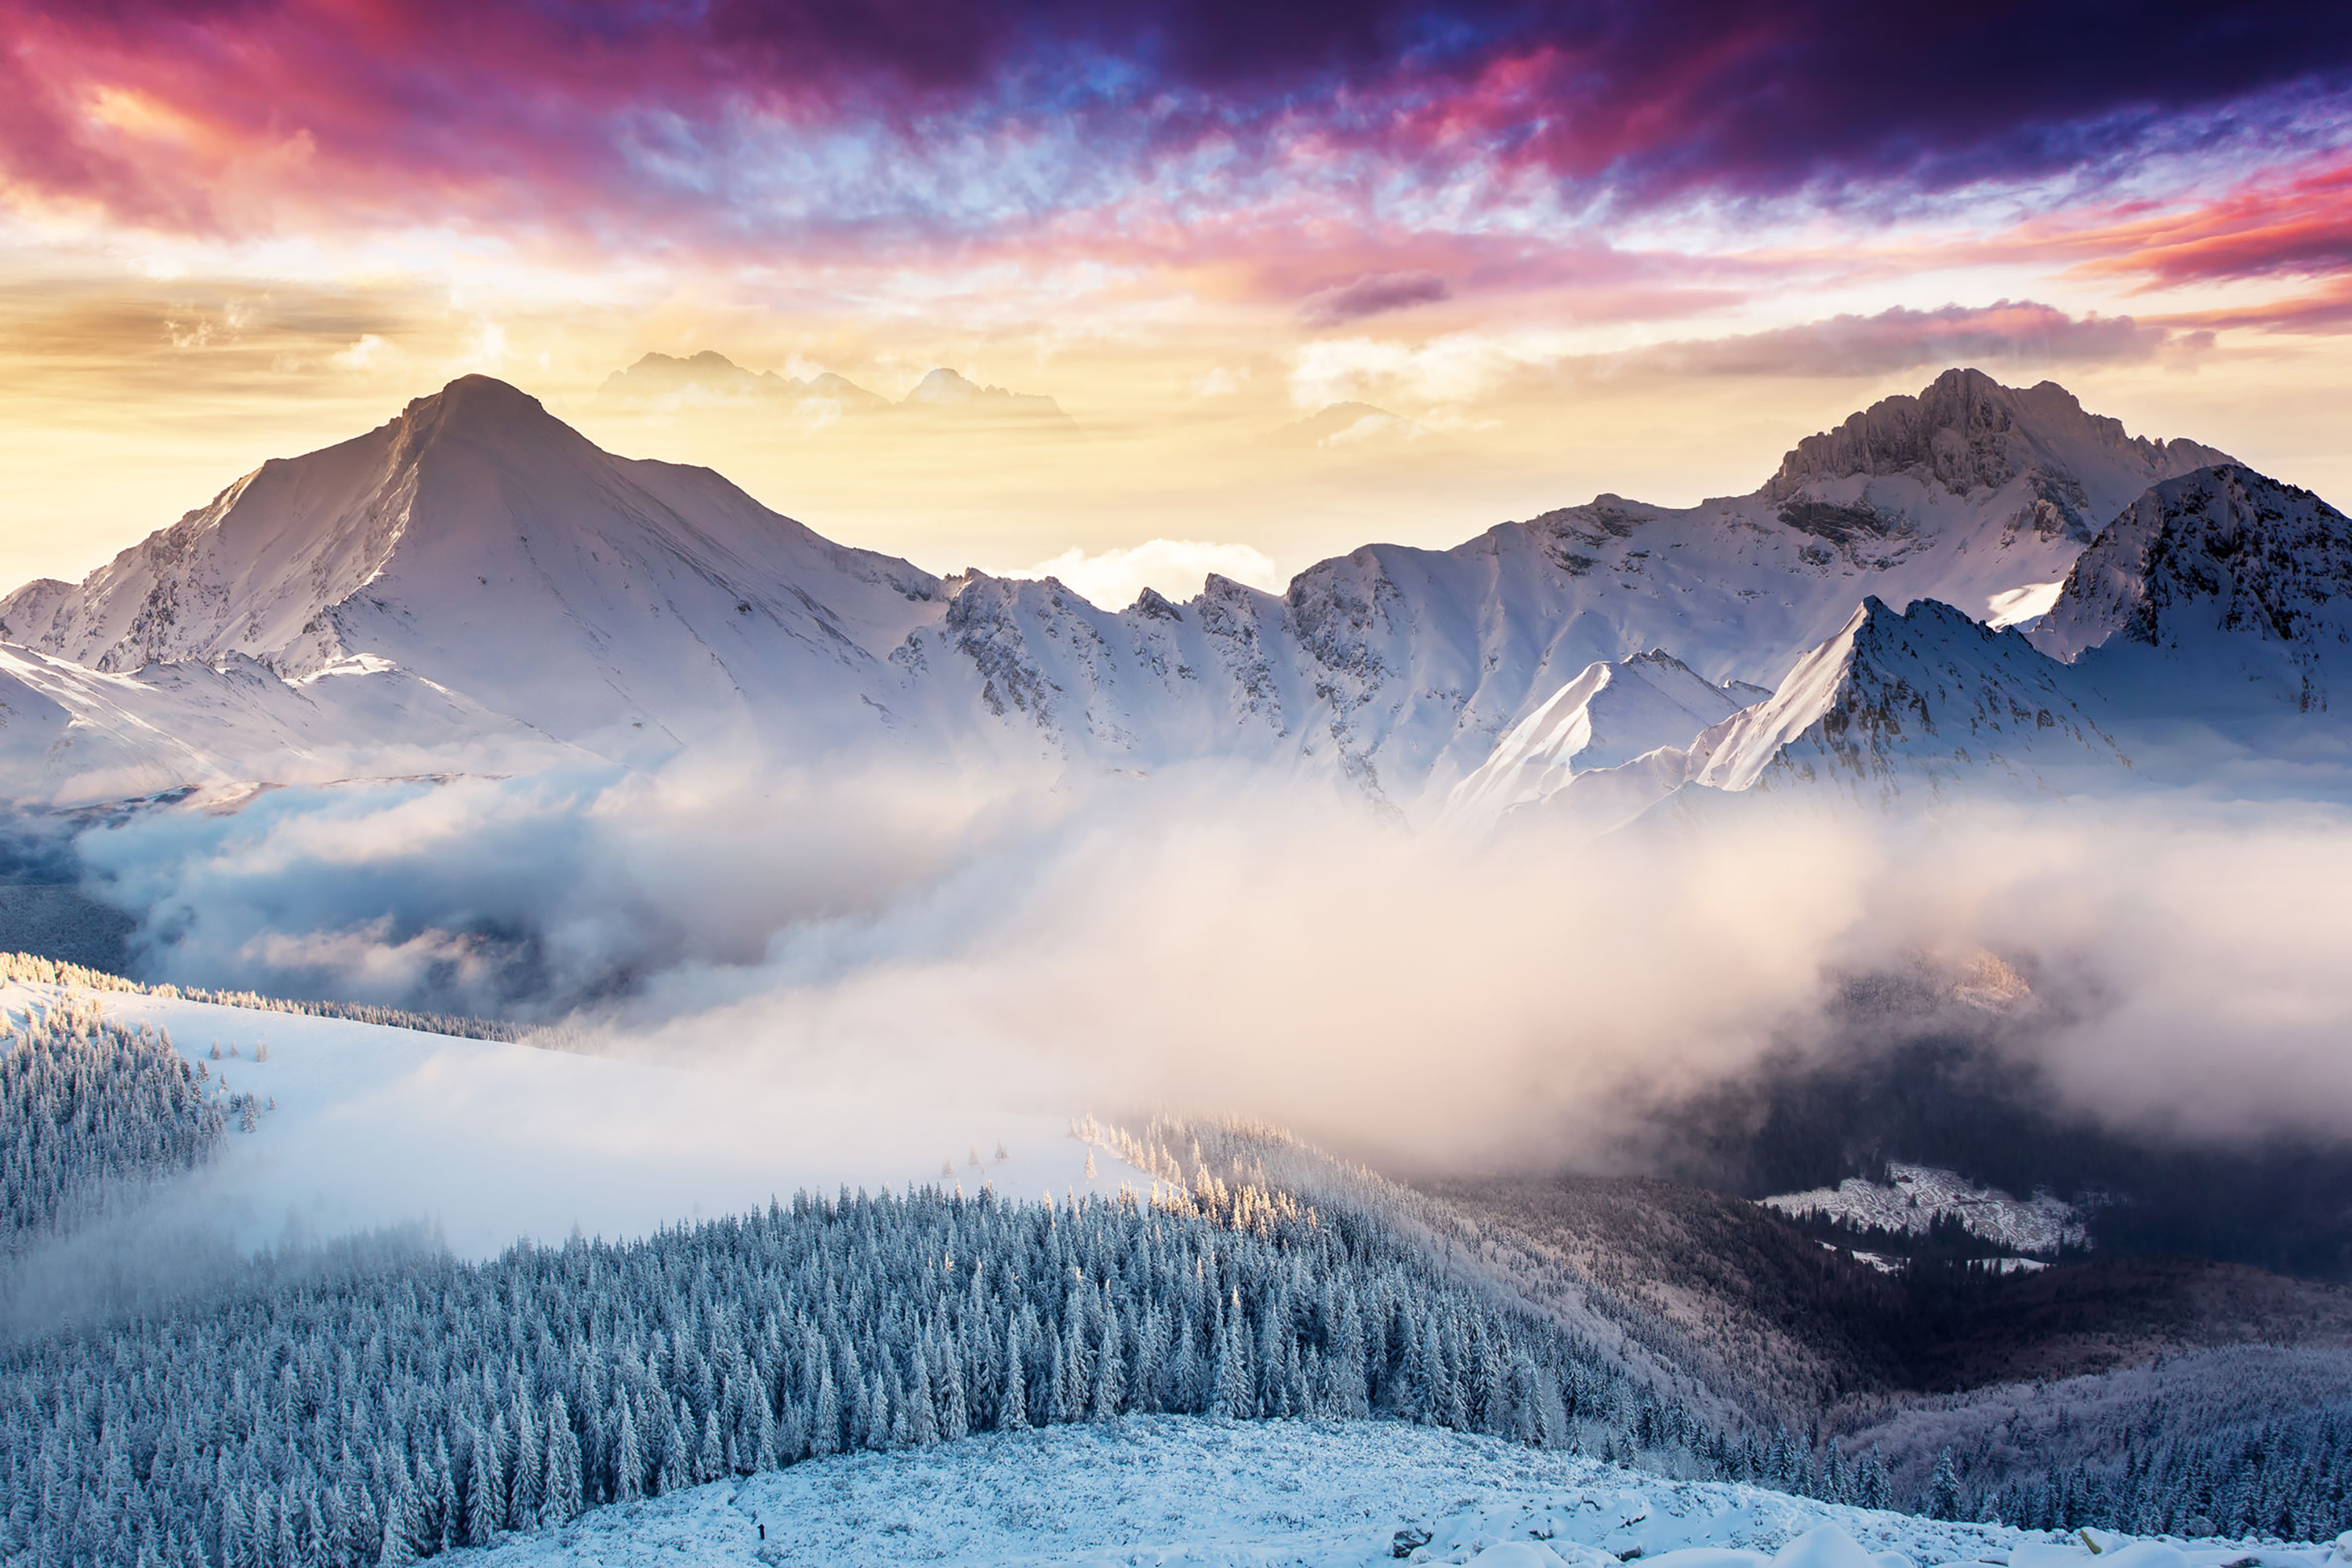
399, 1548
628, 1460
1943, 1499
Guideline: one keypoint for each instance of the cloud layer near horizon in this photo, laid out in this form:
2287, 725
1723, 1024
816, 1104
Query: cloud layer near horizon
1233, 945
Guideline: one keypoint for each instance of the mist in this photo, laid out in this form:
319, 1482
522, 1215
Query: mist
1203, 941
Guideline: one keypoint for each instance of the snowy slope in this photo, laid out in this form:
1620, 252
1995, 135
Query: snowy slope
1913, 708
1916, 702
480, 543
1607, 717
1400, 670
2222, 590
1913, 1198
493, 1142
1169, 1491
69, 734
631, 608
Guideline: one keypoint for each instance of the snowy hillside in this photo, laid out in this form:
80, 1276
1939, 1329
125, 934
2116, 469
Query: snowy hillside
1172, 1490
478, 545
1912, 708
371, 1127
1913, 1197
74, 734
2222, 591
1927, 699
1605, 718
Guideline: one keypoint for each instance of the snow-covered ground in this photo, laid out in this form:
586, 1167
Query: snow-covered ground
1168, 1491
493, 1142
1913, 1197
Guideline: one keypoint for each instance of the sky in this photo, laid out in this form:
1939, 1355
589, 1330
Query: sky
1549, 249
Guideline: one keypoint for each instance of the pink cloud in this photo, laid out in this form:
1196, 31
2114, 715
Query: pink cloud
730, 123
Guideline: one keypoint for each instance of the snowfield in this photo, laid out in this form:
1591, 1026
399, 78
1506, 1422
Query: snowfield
491, 1143
1169, 1491
1913, 1197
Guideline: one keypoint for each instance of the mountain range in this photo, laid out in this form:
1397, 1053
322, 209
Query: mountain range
474, 586
667, 383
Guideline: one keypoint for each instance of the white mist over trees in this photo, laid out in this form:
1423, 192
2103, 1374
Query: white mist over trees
86, 1104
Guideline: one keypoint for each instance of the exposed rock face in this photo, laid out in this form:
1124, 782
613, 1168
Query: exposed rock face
2223, 583
1914, 702
1967, 433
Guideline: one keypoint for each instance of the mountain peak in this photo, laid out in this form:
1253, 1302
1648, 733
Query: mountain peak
945, 386
1925, 697
480, 542
1609, 715
1967, 433
946, 390
2232, 581
480, 395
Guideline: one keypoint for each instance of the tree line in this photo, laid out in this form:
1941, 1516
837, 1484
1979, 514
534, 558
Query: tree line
387, 1418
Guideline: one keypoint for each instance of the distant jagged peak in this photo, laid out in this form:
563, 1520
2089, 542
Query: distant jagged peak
709, 379
948, 391
668, 382
1967, 433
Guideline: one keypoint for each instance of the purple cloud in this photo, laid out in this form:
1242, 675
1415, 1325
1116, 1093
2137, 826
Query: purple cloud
750, 119
1371, 295
2004, 332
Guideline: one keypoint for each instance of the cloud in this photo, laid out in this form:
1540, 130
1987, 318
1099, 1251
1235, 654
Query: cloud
2004, 332
1373, 294
2297, 226
367, 350
1461, 368
1176, 568
2326, 309
1454, 368
1227, 941
489, 895
1247, 952
736, 122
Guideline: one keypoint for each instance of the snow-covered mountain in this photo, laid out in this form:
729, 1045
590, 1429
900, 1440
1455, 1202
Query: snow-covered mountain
1923, 699
545, 587
665, 382
70, 735
2217, 591
1905, 708
1401, 669
1341, 427
480, 543
2219, 595
1607, 717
